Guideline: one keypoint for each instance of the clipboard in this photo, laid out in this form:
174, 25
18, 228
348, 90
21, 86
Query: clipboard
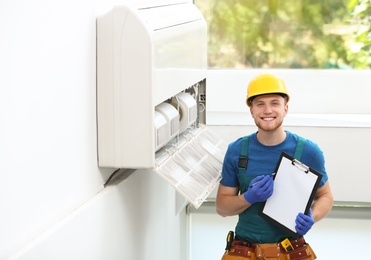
295, 186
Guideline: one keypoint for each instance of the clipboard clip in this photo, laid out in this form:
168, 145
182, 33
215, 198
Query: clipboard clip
300, 165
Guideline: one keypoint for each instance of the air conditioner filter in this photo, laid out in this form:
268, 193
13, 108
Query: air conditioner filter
161, 131
188, 110
172, 117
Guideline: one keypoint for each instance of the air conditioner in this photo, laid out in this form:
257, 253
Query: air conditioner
151, 67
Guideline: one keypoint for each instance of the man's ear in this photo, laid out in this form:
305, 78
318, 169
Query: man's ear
286, 109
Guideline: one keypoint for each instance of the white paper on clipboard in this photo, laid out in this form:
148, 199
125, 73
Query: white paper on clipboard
295, 185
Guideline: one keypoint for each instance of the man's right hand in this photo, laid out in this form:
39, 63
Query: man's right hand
260, 189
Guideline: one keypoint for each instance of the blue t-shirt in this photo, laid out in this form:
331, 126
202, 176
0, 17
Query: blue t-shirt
262, 160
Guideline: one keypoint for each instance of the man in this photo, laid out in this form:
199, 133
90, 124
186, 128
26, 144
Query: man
267, 98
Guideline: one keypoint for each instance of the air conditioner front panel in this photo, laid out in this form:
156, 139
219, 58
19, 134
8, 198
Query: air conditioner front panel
179, 62
122, 71
162, 17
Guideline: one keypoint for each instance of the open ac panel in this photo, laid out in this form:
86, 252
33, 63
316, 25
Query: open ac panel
174, 116
151, 88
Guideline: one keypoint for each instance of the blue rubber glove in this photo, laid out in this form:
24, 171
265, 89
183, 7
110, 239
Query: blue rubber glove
304, 223
260, 189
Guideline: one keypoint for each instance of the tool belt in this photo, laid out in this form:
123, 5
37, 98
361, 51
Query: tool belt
243, 250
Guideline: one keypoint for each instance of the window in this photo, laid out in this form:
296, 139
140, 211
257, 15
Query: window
330, 34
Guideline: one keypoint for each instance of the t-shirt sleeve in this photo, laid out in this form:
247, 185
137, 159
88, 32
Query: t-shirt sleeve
230, 166
317, 161
320, 159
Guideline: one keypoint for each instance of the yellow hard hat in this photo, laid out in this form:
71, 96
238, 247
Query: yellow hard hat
265, 84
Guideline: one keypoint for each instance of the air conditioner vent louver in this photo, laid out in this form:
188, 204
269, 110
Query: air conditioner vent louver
195, 169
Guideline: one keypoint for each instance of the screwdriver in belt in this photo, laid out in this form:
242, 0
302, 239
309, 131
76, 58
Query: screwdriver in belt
229, 241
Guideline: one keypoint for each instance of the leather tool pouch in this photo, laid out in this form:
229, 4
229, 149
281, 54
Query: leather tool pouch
304, 252
239, 251
268, 252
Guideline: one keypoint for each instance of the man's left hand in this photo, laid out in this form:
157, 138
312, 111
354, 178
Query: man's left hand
304, 223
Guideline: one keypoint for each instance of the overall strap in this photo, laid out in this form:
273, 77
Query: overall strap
242, 162
299, 148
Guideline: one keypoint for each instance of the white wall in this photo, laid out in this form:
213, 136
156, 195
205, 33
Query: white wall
311, 91
132, 220
51, 200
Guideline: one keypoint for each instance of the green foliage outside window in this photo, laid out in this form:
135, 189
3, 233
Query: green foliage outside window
288, 33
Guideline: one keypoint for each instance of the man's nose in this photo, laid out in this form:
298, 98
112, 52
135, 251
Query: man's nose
267, 109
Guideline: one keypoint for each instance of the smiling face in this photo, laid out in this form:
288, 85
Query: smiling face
268, 111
